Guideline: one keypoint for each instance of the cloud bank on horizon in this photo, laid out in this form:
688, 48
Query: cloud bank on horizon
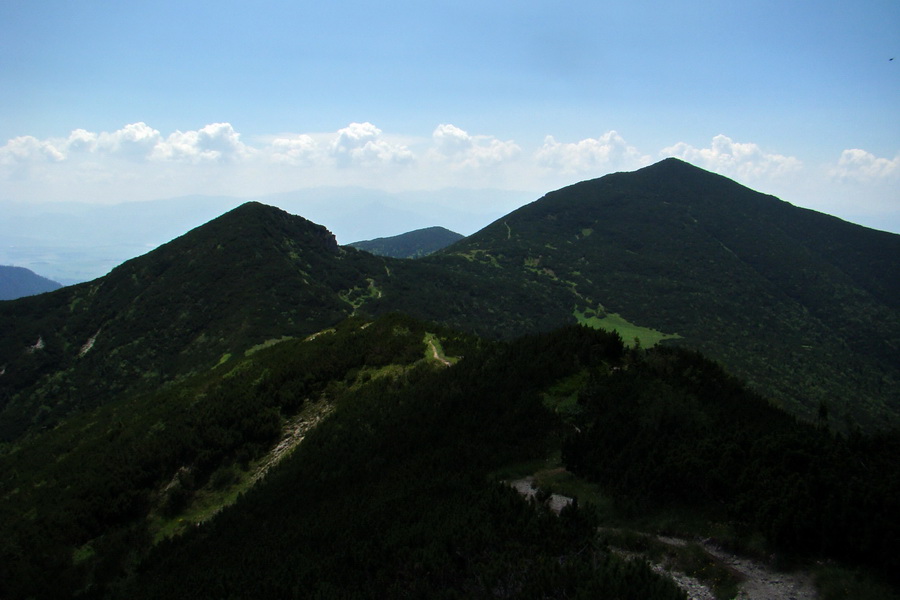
138, 162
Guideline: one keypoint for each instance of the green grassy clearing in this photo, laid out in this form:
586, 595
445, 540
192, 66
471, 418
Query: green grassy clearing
599, 319
551, 476
479, 256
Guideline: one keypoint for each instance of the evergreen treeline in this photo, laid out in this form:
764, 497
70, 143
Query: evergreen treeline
675, 429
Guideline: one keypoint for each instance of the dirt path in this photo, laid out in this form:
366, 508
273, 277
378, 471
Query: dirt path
762, 582
759, 581
693, 587
437, 356
292, 434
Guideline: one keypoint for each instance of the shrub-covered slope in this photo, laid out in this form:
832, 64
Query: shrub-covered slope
389, 491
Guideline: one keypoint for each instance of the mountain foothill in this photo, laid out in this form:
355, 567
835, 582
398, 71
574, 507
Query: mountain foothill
667, 336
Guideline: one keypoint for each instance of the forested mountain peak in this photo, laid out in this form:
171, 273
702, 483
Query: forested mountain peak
253, 274
772, 290
254, 218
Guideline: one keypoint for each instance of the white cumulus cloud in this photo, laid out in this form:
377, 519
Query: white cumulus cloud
450, 139
735, 159
215, 142
299, 150
462, 150
608, 151
29, 149
81, 140
364, 144
135, 140
864, 166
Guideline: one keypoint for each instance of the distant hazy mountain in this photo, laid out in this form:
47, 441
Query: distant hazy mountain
414, 244
16, 282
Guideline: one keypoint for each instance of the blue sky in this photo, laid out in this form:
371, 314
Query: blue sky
108, 102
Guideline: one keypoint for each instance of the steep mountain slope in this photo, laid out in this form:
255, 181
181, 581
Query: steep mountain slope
16, 282
253, 274
803, 305
413, 244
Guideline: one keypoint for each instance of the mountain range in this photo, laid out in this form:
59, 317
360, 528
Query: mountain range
357, 411
802, 305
